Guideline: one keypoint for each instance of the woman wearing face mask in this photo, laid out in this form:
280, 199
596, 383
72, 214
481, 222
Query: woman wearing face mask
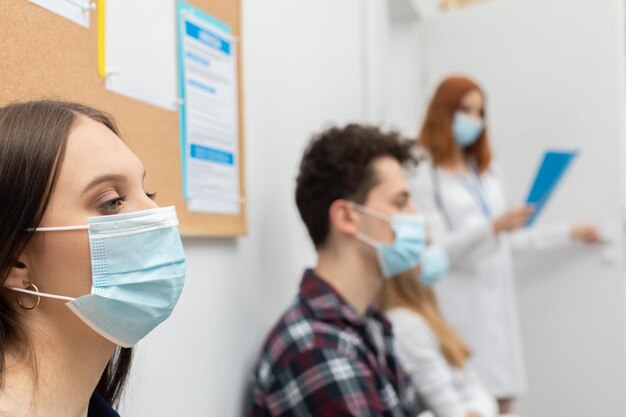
458, 188
431, 352
89, 263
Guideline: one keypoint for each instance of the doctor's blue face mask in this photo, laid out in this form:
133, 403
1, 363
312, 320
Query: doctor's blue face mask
406, 251
138, 273
466, 129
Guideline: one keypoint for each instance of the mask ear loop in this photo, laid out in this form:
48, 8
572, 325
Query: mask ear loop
32, 289
368, 240
371, 212
35, 290
58, 229
40, 294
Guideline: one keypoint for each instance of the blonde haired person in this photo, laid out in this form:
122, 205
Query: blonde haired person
431, 352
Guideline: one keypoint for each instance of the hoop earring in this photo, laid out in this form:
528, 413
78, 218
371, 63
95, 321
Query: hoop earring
32, 287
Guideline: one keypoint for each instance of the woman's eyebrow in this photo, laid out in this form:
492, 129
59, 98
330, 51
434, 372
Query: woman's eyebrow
103, 178
108, 178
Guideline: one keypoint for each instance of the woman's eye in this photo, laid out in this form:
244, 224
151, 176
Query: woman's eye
113, 204
151, 196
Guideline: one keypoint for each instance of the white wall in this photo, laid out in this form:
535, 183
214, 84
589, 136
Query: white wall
375, 26
405, 75
554, 75
303, 69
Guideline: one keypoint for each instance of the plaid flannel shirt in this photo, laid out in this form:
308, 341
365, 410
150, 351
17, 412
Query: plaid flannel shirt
323, 359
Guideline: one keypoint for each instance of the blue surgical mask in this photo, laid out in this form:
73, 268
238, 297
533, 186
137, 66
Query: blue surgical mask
466, 129
138, 273
408, 246
434, 265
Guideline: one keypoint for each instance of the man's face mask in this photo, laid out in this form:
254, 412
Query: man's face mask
406, 251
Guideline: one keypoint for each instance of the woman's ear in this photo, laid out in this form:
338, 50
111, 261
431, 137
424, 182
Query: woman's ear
18, 276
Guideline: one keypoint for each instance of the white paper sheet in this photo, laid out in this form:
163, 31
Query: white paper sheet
75, 10
140, 44
209, 122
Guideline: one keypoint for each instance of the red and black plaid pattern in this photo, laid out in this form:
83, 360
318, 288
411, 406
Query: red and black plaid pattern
323, 359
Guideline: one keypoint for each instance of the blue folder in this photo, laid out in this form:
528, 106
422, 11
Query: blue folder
549, 175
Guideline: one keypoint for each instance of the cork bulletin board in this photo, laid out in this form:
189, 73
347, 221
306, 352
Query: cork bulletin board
45, 56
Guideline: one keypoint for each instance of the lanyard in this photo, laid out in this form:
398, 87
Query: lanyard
438, 197
475, 188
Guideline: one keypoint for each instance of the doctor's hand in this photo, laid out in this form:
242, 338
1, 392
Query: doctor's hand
585, 234
512, 220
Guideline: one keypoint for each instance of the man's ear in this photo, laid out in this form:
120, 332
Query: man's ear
18, 276
342, 217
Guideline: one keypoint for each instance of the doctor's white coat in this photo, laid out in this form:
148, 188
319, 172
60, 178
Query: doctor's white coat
478, 297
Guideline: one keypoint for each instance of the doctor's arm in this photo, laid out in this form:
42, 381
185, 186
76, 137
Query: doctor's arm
545, 237
550, 237
466, 244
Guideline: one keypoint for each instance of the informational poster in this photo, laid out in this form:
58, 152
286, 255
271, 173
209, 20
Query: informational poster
209, 112
75, 10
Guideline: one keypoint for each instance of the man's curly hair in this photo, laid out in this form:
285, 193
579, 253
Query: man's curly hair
338, 164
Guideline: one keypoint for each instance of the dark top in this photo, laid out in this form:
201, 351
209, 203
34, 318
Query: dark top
100, 408
323, 359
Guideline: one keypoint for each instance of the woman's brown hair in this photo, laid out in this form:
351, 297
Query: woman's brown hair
33, 137
436, 133
406, 291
